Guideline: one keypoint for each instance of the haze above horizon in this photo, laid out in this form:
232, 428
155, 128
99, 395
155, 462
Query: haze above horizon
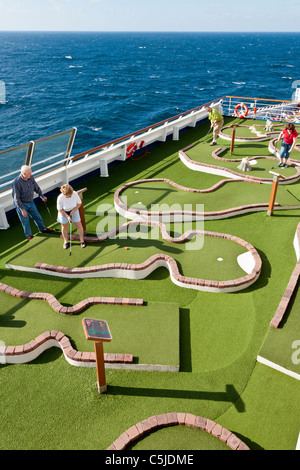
149, 16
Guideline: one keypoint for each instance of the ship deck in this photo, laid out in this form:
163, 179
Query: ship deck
190, 326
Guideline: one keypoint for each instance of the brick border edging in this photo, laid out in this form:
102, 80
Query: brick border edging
263, 138
59, 308
28, 352
292, 284
275, 151
129, 212
136, 214
175, 419
140, 271
247, 177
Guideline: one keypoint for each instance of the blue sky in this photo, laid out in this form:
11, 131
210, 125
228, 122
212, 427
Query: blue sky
149, 15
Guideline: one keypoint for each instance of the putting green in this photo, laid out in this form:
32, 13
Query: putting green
200, 262
159, 195
244, 130
241, 150
155, 341
179, 438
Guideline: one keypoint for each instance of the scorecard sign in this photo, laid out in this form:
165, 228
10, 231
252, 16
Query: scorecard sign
96, 330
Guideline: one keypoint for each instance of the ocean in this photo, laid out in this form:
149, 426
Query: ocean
110, 84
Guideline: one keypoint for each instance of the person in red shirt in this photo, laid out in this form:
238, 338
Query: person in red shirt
289, 136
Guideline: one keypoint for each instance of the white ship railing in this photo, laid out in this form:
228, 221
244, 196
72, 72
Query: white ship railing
51, 174
263, 109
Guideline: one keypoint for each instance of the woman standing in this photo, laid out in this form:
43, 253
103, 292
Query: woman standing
68, 203
289, 136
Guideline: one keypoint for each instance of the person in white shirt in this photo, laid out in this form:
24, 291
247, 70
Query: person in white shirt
68, 204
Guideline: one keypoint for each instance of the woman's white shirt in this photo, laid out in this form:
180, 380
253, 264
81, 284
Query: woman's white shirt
68, 203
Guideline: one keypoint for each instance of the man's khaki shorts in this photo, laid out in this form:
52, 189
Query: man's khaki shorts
218, 126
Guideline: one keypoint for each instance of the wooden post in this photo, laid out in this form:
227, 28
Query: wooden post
101, 380
273, 195
276, 178
98, 331
234, 126
81, 209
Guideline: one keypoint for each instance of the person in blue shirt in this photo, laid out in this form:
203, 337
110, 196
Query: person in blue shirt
23, 189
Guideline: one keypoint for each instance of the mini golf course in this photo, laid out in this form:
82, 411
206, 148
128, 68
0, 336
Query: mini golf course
189, 308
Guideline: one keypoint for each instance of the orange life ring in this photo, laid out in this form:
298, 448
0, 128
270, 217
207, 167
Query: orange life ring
131, 149
241, 105
142, 144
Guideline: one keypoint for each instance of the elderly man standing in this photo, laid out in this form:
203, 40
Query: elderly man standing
23, 189
217, 122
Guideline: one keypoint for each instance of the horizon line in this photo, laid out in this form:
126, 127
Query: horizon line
137, 31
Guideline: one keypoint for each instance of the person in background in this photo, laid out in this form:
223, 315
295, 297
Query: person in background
23, 188
217, 122
289, 136
68, 204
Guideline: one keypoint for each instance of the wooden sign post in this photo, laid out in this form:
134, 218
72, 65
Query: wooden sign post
98, 331
81, 209
276, 178
234, 126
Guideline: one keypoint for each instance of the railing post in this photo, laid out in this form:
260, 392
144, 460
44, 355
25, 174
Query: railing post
29, 154
70, 145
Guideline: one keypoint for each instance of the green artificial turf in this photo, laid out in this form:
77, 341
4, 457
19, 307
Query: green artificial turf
179, 438
281, 345
157, 196
272, 401
49, 404
155, 342
203, 154
201, 260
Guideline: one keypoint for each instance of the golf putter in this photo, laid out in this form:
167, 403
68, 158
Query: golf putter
70, 238
203, 141
51, 217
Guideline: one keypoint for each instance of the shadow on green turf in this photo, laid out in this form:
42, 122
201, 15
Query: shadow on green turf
230, 395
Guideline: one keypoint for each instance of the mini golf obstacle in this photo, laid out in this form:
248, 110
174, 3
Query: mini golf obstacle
220, 170
156, 422
144, 269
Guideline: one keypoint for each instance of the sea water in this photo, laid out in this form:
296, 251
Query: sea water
110, 84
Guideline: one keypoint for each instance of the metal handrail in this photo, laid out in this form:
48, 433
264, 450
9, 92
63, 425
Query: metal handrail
142, 131
264, 108
226, 101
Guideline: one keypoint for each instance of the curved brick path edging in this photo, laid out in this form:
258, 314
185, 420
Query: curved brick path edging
59, 308
175, 419
25, 353
192, 164
140, 271
143, 215
275, 151
261, 138
292, 284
